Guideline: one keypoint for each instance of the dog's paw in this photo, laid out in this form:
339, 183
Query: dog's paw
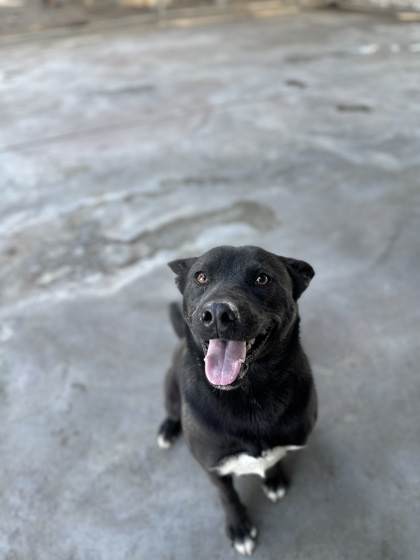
168, 432
162, 442
243, 535
274, 494
245, 545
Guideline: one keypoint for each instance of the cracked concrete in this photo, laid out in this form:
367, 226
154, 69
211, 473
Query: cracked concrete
126, 148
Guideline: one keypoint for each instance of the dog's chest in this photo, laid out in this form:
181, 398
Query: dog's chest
243, 463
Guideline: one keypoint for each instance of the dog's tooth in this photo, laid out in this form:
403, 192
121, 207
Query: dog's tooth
252, 341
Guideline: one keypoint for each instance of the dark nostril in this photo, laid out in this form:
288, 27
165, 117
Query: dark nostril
207, 317
226, 313
225, 317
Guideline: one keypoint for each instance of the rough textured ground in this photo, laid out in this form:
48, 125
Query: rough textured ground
123, 149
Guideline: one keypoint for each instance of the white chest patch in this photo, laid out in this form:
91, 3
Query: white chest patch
246, 464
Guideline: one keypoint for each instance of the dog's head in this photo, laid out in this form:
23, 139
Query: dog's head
238, 302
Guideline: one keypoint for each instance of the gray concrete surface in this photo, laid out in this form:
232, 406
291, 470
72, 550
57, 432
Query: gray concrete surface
123, 149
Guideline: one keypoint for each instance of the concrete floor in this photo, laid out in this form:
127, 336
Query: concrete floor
123, 149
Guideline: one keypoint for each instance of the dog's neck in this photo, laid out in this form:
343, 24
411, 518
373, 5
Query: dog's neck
267, 385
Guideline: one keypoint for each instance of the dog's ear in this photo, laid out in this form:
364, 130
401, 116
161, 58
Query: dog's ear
181, 267
301, 274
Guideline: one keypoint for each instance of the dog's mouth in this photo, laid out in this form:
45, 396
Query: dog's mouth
227, 360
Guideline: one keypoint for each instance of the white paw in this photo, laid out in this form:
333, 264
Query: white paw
274, 495
163, 443
246, 546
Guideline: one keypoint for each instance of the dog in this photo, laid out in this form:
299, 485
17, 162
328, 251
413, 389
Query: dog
240, 385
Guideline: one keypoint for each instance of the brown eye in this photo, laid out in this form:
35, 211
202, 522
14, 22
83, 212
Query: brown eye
262, 280
201, 278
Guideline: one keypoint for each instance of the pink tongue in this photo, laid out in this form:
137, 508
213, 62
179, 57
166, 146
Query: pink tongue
223, 360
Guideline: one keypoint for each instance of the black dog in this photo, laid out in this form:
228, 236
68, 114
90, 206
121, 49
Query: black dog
240, 384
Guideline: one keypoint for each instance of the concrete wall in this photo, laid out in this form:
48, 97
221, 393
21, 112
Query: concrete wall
394, 5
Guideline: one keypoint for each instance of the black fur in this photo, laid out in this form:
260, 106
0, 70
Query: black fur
273, 401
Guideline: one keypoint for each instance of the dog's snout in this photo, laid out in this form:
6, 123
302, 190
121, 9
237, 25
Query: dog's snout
219, 314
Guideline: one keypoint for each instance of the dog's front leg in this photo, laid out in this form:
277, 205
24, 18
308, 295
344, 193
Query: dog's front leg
275, 483
239, 527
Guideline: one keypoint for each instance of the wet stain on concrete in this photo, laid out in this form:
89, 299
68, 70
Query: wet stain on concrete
296, 84
101, 241
354, 108
126, 90
168, 184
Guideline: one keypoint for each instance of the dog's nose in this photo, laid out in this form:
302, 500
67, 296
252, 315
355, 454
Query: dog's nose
220, 314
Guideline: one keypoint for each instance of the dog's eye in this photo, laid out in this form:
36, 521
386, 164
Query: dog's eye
262, 280
201, 278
